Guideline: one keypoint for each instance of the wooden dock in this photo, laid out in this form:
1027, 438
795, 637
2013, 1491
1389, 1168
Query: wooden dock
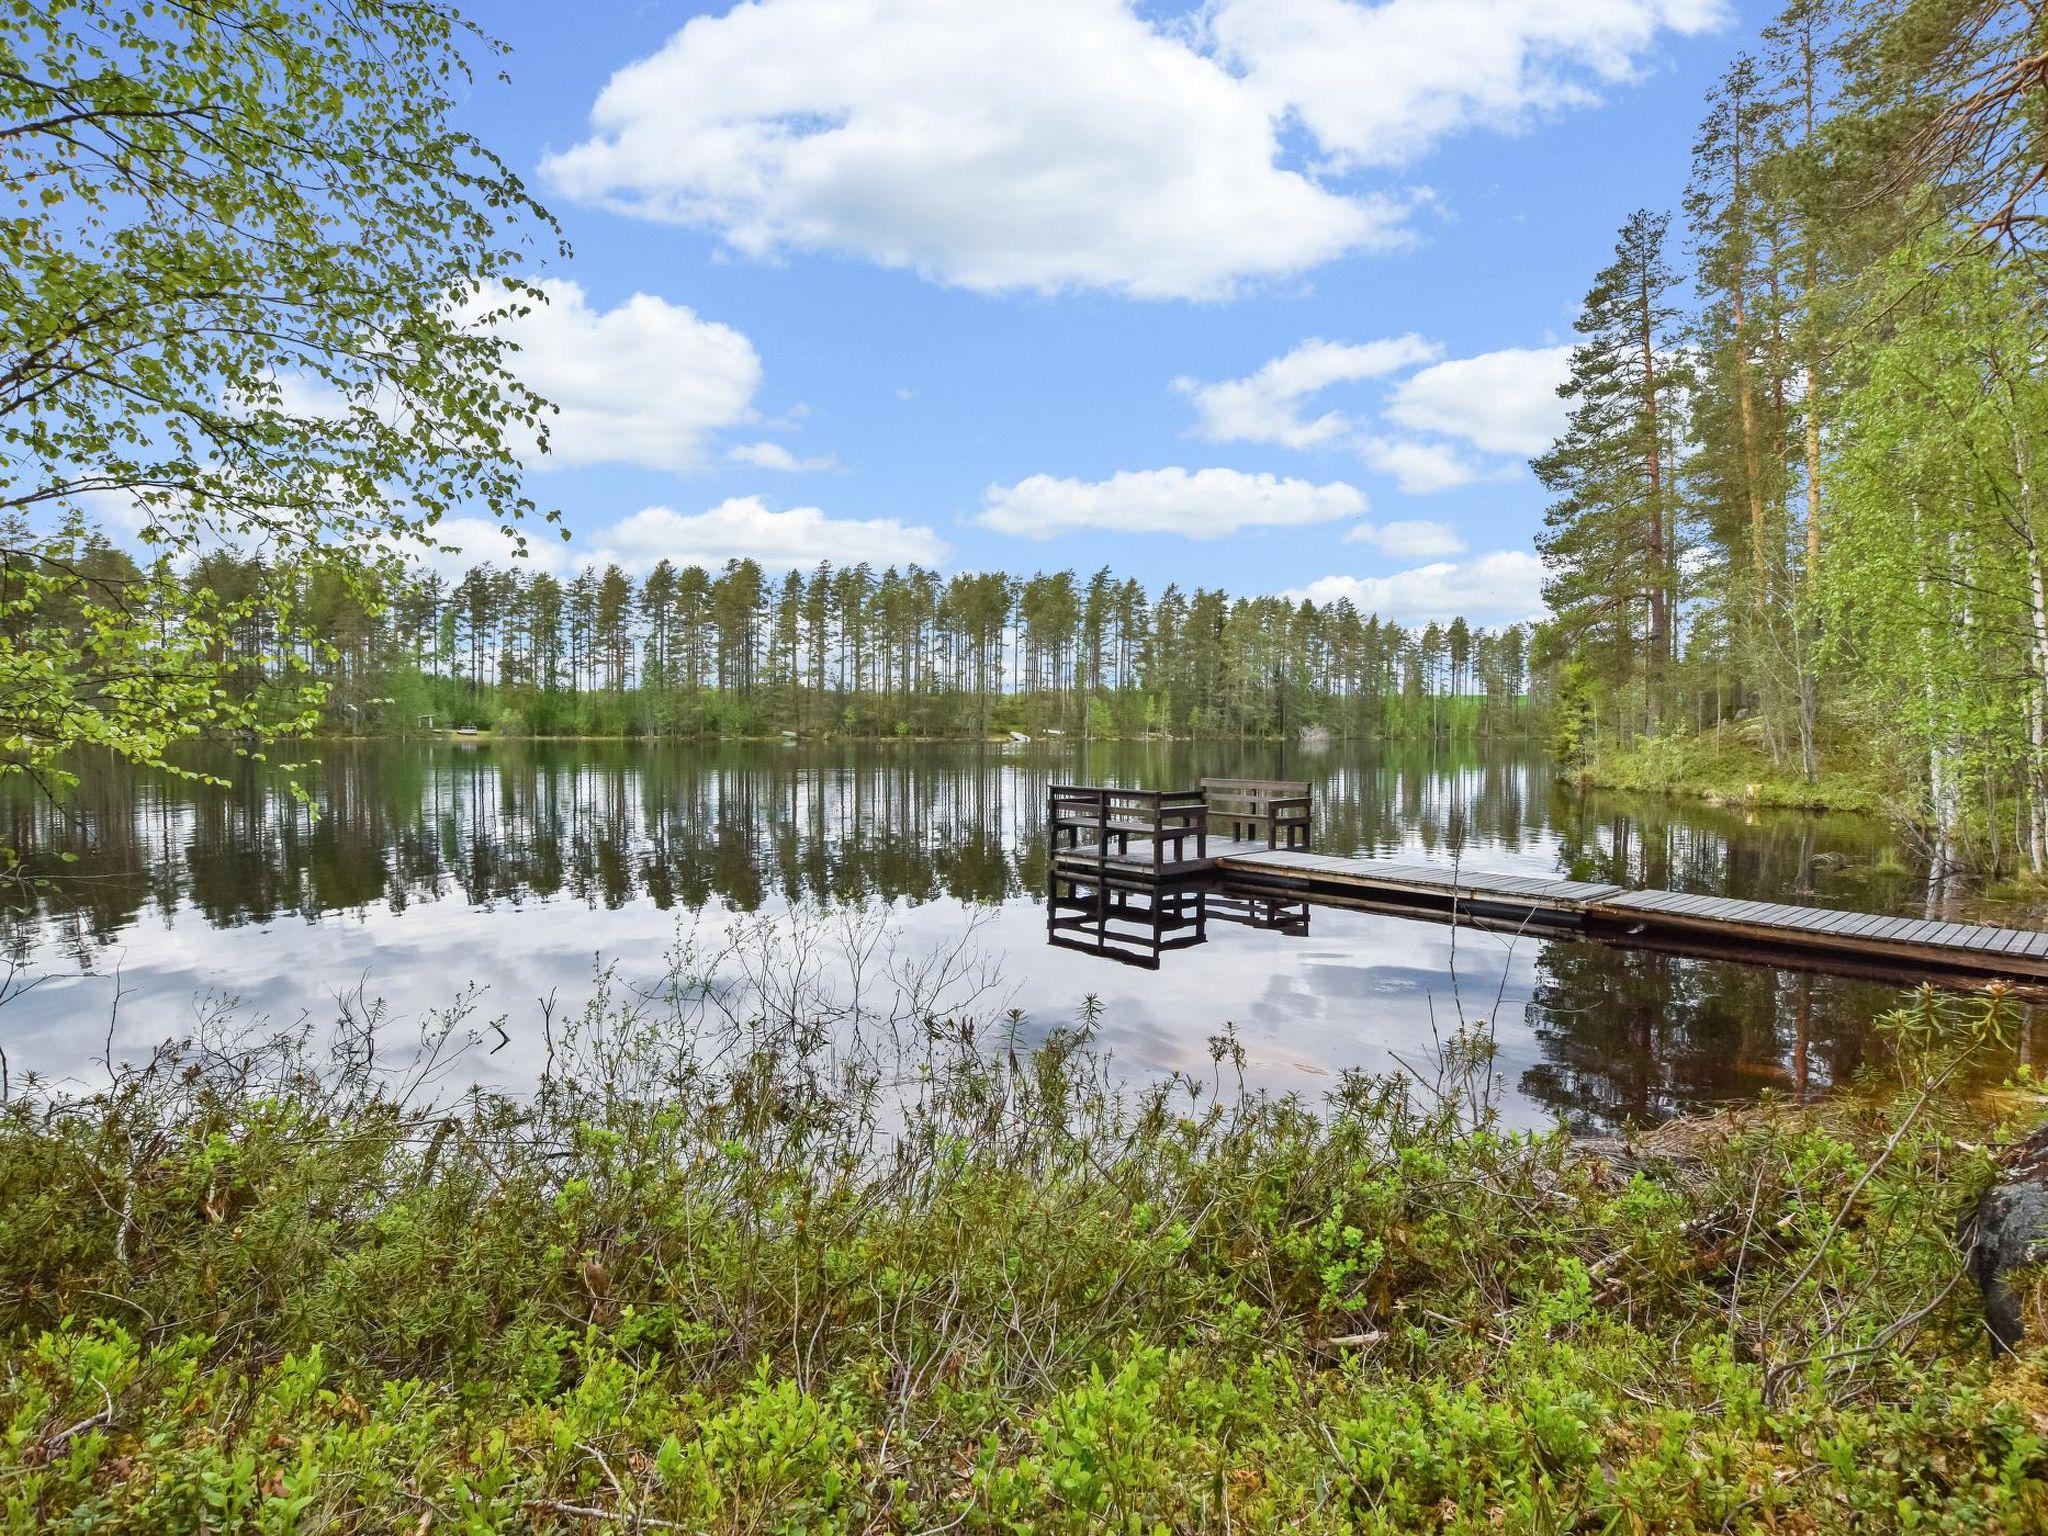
1103, 851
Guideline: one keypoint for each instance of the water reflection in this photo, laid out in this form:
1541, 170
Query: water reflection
515, 864
1140, 924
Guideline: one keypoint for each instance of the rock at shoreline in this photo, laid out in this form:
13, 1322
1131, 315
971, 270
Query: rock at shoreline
2011, 1233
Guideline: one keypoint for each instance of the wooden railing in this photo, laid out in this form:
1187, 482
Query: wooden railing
1274, 811
1107, 819
1129, 902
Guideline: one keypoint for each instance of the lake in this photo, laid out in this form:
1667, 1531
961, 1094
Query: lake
521, 867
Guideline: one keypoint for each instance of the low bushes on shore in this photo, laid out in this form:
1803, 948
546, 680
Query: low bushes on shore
1729, 772
743, 1263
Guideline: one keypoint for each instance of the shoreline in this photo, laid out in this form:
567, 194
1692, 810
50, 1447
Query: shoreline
1688, 768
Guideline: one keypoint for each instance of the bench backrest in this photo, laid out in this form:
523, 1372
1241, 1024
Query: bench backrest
1083, 804
1259, 790
1276, 809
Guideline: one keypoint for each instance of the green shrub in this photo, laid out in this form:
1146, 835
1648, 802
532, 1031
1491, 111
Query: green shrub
1732, 770
722, 1271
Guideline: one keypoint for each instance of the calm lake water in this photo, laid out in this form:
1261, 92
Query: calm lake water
520, 867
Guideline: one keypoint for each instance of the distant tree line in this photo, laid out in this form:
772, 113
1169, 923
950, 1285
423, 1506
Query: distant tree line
1797, 508
851, 650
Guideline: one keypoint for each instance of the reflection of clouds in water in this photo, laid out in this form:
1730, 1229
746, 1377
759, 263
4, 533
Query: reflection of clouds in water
519, 866
414, 961
1360, 991
1377, 992
517, 954
279, 971
1353, 993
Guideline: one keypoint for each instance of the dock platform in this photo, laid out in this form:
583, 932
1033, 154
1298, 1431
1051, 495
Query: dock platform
1104, 857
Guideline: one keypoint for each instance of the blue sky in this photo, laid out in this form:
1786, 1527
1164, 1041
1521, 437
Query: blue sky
1028, 284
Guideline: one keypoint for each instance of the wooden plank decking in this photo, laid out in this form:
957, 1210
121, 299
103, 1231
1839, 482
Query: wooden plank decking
2012, 952
1447, 885
1173, 830
1613, 912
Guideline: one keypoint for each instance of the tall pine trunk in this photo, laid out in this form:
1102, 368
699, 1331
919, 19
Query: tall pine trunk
1657, 650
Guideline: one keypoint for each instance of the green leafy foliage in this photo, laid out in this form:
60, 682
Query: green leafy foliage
1848, 485
250, 280
720, 1273
1735, 770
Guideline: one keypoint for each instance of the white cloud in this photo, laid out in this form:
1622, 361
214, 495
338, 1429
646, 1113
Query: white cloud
775, 456
1502, 402
1004, 145
1266, 407
1202, 504
1418, 467
1409, 539
301, 394
739, 528
1379, 84
464, 542
1504, 587
645, 383
120, 512
745, 528
1055, 144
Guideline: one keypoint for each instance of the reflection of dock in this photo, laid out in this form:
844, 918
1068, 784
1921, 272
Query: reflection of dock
1109, 846
1141, 875
1137, 922
1134, 924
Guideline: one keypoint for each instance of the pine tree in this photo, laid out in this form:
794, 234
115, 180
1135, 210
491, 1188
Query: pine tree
1608, 542
657, 612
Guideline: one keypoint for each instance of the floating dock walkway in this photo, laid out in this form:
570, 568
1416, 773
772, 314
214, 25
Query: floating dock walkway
1127, 854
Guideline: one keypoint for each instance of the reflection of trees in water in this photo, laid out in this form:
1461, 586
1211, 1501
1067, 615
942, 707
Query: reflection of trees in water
681, 826
1637, 1035
603, 825
1646, 840
608, 823
1625, 1034
1632, 1035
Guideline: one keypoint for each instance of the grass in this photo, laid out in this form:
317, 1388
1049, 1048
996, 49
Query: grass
753, 1258
1729, 772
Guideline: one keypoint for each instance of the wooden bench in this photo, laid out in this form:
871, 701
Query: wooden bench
1272, 810
1109, 818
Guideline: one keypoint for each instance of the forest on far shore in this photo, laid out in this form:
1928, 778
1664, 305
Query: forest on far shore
690, 652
